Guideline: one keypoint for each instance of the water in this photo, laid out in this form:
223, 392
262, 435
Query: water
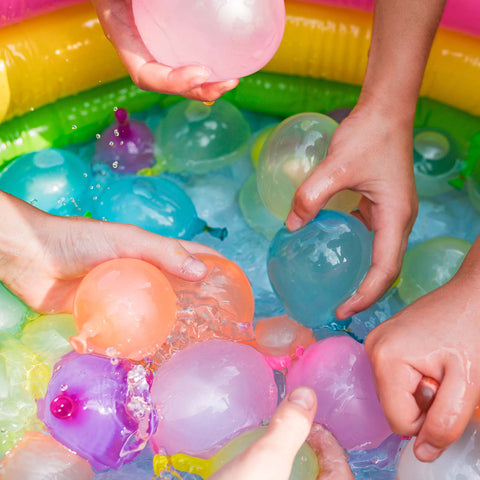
215, 196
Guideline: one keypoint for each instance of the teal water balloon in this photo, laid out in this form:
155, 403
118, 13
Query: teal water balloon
316, 268
429, 265
197, 138
436, 160
52, 180
155, 204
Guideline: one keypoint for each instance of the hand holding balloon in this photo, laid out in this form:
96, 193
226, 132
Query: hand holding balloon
273, 454
57, 252
370, 153
420, 341
117, 20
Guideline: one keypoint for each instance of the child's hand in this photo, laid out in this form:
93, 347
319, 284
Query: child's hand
117, 21
271, 456
371, 153
44, 257
437, 336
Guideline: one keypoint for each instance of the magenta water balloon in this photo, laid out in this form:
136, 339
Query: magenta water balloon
337, 368
125, 146
209, 393
99, 408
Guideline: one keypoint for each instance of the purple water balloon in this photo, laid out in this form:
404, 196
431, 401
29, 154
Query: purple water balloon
99, 409
337, 368
126, 146
209, 393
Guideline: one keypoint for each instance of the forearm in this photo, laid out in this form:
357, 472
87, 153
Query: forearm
402, 35
470, 268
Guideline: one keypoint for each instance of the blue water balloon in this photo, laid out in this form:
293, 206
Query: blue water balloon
155, 204
316, 268
52, 180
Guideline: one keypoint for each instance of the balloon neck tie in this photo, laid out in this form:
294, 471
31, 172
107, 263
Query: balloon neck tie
123, 128
220, 233
184, 463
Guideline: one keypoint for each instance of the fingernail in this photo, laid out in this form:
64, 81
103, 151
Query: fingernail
302, 396
427, 453
194, 267
294, 222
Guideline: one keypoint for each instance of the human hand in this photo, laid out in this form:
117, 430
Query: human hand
371, 153
437, 336
44, 257
272, 455
117, 21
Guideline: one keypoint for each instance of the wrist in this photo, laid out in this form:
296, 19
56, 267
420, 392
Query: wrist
16, 238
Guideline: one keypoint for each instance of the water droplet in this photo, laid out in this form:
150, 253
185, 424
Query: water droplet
110, 351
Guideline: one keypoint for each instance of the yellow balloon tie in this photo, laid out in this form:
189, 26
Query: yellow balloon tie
184, 463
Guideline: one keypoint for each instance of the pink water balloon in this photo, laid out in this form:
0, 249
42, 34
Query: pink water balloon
209, 393
337, 368
232, 38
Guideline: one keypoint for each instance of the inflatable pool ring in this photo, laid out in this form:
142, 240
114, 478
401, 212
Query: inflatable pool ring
78, 118
459, 15
14, 11
80, 58
321, 41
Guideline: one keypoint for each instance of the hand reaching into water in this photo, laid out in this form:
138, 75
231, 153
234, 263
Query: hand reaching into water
271, 456
44, 257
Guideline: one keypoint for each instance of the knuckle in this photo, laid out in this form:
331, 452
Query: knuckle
304, 204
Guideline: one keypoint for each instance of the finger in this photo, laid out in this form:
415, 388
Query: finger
119, 27
389, 244
291, 423
331, 456
448, 415
209, 92
396, 383
166, 253
271, 456
327, 179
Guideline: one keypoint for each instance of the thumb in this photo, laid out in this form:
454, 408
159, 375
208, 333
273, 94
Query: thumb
326, 180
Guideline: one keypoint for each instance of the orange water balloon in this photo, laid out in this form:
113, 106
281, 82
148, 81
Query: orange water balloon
278, 336
39, 456
219, 306
123, 308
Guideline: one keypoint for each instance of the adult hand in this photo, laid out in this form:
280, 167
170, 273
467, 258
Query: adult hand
437, 336
271, 456
116, 18
370, 153
44, 257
